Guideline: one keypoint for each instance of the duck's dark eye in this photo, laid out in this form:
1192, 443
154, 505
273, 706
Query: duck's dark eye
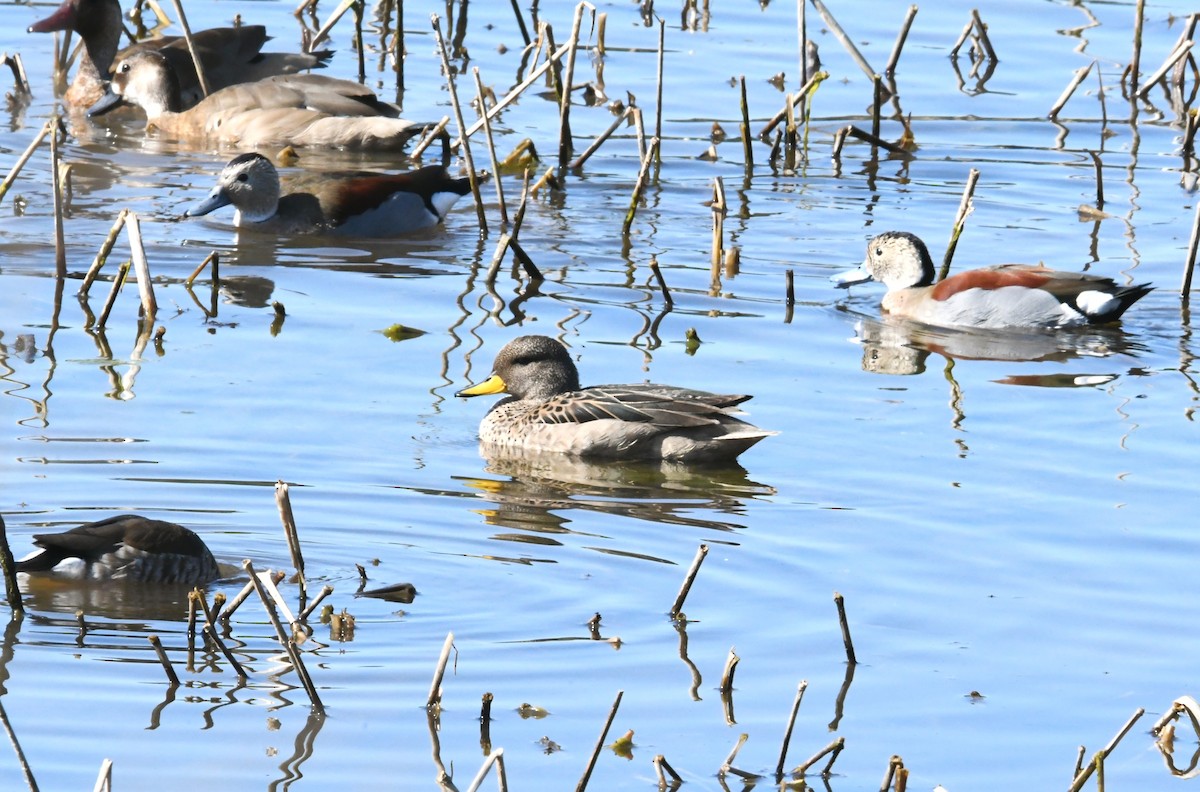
878, 251
243, 177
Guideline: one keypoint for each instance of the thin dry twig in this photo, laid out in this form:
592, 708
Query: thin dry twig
162, 658
965, 206
435, 689
688, 579
612, 714
840, 601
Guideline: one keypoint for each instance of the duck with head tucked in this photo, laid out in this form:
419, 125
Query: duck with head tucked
230, 55
1005, 295
548, 412
363, 205
126, 547
292, 109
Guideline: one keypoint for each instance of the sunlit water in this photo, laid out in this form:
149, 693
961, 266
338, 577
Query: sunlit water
1004, 514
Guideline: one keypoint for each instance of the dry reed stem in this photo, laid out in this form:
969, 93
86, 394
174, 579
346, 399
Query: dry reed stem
837, 31
866, 137
104, 777
398, 50
191, 45
323, 33
283, 502
658, 109
20, 79
747, 145
719, 210
12, 737
491, 146
805, 92
268, 604
241, 596
962, 38
601, 27
688, 579
605, 135
791, 724
208, 614
834, 748
1136, 62
210, 258
312, 606
458, 118
1080, 75
496, 757
431, 135
840, 601
1099, 179
661, 765
24, 158
118, 282
9, 566
60, 247
727, 765
981, 31
141, 267
639, 186
1190, 263
876, 105
435, 689
516, 7
591, 765
210, 632
789, 280
965, 207
1082, 777
564, 110
306, 682
802, 40
901, 37
662, 282
895, 763
1171, 60
172, 677
731, 663
512, 95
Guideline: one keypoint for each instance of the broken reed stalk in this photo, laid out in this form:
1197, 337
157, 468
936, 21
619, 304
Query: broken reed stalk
844, 39
491, 146
639, 186
358, 41
662, 282
213, 258
688, 579
398, 51
141, 266
894, 763
719, 210
658, 108
323, 33
104, 777
8, 564
12, 737
283, 502
1190, 262
268, 604
901, 37
1099, 179
661, 765
211, 634
118, 282
458, 118
840, 601
564, 110
747, 146
241, 596
981, 31
1136, 63
435, 689
803, 94
789, 295
591, 765
727, 765
791, 723
1171, 60
203, 602
433, 134
312, 606
191, 45
60, 247
1082, 777
605, 135
172, 677
964, 208
802, 40
24, 158
496, 757
731, 663
512, 95
876, 105
516, 7
306, 682
1080, 75
20, 79
834, 748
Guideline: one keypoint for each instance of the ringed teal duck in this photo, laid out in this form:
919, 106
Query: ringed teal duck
355, 205
125, 547
291, 109
230, 55
1005, 295
547, 411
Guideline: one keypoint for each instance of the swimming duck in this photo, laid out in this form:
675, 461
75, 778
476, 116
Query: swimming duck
1006, 295
355, 205
291, 109
230, 55
547, 411
125, 547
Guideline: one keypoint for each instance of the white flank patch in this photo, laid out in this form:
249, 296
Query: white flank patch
442, 201
1095, 303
